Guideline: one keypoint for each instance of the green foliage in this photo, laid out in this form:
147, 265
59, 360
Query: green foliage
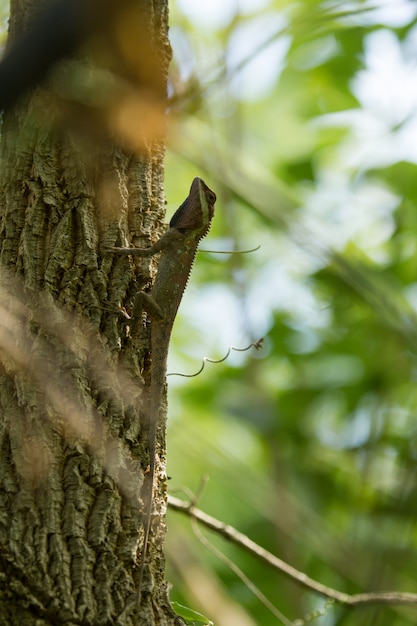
310, 446
4, 13
191, 616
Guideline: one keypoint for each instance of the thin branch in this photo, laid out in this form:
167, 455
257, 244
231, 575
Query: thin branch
255, 344
230, 533
231, 251
236, 570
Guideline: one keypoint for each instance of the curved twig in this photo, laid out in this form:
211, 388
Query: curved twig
255, 344
230, 533
231, 251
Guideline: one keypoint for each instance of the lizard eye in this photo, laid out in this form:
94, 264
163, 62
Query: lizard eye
211, 196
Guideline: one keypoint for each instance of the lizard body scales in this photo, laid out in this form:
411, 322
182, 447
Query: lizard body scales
178, 247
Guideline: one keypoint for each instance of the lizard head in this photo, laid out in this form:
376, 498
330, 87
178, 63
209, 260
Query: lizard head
196, 212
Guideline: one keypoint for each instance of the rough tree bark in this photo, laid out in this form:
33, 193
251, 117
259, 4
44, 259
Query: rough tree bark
72, 455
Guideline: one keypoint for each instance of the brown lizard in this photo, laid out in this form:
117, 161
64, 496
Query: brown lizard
178, 247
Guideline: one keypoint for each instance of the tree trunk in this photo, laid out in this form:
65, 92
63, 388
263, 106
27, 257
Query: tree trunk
73, 375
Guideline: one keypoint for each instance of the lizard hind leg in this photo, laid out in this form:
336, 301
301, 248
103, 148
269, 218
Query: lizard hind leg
145, 302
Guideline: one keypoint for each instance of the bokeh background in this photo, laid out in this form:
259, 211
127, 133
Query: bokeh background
302, 117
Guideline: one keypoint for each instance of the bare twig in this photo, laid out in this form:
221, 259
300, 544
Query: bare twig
255, 344
247, 581
231, 251
230, 533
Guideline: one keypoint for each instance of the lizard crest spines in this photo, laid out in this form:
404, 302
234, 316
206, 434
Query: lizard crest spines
178, 247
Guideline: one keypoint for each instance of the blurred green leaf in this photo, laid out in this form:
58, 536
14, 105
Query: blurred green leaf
190, 615
311, 446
